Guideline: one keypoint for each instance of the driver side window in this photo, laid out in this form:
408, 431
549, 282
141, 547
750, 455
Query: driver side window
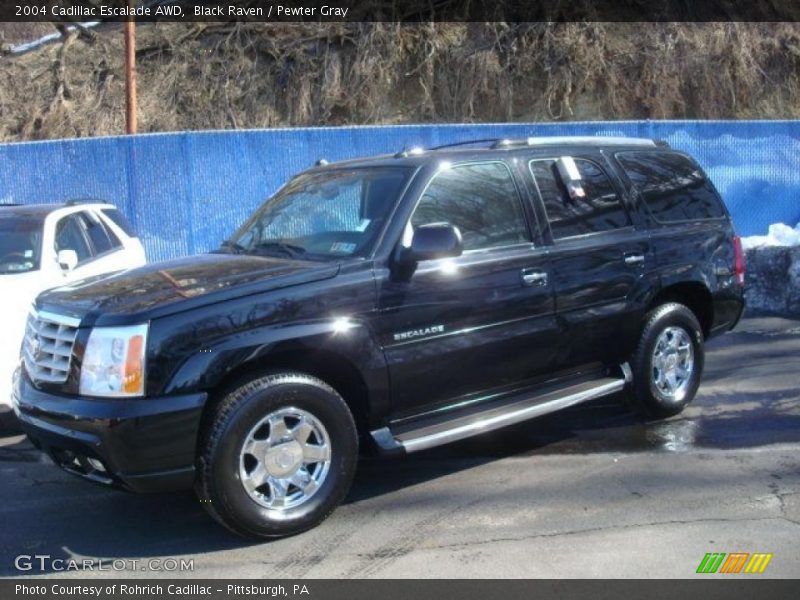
69, 236
481, 200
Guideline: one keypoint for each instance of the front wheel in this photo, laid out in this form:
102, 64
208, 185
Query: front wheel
278, 457
668, 361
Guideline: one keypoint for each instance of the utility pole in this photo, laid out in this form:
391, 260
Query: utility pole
130, 69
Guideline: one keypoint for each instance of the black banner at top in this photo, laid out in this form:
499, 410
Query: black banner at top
324, 11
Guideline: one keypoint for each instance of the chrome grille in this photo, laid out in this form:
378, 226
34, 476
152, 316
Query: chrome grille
47, 349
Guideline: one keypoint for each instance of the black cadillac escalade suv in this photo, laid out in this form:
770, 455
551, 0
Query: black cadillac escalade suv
399, 302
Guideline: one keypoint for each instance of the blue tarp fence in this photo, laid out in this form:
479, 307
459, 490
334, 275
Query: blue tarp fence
186, 192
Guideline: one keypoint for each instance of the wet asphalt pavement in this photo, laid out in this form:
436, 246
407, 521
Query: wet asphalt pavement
588, 492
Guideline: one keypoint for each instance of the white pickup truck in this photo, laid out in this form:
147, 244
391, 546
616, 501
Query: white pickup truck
50, 245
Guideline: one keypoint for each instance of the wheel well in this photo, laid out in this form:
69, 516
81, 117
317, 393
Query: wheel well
332, 368
693, 295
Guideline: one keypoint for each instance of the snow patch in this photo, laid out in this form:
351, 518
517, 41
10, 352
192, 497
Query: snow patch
50, 37
779, 234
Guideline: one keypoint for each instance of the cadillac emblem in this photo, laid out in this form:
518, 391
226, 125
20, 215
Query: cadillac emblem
36, 346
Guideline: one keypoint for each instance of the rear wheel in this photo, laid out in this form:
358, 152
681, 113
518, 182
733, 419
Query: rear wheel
668, 362
278, 457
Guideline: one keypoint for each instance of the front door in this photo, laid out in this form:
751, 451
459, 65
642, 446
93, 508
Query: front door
473, 327
99, 250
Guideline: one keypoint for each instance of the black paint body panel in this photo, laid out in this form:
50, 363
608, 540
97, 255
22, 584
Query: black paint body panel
448, 333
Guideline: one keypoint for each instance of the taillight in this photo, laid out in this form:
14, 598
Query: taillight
738, 265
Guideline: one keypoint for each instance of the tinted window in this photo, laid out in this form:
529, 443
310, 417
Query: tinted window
69, 236
102, 239
672, 186
20, 244
120, 221
599, 209
481, 200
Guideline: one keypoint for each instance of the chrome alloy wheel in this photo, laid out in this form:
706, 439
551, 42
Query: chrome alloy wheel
673, 363
285, 459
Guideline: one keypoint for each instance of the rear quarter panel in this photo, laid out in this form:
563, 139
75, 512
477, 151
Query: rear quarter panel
701, 252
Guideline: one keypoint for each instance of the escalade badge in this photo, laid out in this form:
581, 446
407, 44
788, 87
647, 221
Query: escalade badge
417, 333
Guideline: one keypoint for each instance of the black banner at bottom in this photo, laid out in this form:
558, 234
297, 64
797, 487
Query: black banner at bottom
712, 588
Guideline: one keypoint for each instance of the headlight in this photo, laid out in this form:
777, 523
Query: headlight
113, 363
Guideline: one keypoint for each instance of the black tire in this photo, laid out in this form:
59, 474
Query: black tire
219, 485
647, 398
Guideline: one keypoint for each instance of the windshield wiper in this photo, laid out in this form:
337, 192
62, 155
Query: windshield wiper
290, 249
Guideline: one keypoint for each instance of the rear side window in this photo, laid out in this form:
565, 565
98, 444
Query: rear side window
120, 221
672, 186
600, 208
102, 239
481, 200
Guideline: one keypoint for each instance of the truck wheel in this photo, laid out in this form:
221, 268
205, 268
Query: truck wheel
278, 456
668, 362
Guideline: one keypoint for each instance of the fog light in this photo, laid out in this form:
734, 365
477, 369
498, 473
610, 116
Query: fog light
96, 464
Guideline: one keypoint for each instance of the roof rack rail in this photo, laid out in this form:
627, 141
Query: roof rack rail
583, 140
466, 143
79, 201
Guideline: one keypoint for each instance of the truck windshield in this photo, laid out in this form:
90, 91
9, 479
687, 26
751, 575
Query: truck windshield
327, 214
20, 245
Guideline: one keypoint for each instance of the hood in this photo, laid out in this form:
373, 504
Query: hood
164, 288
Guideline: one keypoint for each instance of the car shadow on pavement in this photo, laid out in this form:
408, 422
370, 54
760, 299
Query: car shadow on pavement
51, 513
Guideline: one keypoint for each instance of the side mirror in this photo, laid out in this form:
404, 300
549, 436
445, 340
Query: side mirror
432, 241
67, 259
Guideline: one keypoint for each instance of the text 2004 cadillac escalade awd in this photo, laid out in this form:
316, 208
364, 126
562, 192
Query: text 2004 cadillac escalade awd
399, 302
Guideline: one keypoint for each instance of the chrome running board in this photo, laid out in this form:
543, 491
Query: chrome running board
424, 435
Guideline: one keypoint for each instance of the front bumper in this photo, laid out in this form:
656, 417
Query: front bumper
139, 444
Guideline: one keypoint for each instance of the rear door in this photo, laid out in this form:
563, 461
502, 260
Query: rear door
473, 327
599, 258
118, 226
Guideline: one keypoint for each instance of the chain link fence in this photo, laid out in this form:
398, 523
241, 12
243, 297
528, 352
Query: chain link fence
186, 192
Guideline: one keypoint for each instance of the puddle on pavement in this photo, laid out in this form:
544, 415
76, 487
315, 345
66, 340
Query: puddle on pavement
751, 398
610, 427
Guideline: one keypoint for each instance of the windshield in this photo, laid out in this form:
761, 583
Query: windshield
321, 215
20, 245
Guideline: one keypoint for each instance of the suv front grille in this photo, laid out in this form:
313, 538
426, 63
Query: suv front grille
47, 349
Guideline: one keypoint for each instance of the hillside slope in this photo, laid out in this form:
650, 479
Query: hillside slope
211, 76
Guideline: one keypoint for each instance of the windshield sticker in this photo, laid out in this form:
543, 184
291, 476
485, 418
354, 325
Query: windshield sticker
343, 248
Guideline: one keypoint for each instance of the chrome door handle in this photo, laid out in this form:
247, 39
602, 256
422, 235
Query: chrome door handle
634, 259
531, 277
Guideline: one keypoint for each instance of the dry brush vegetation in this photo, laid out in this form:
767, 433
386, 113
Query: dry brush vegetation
215, 76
